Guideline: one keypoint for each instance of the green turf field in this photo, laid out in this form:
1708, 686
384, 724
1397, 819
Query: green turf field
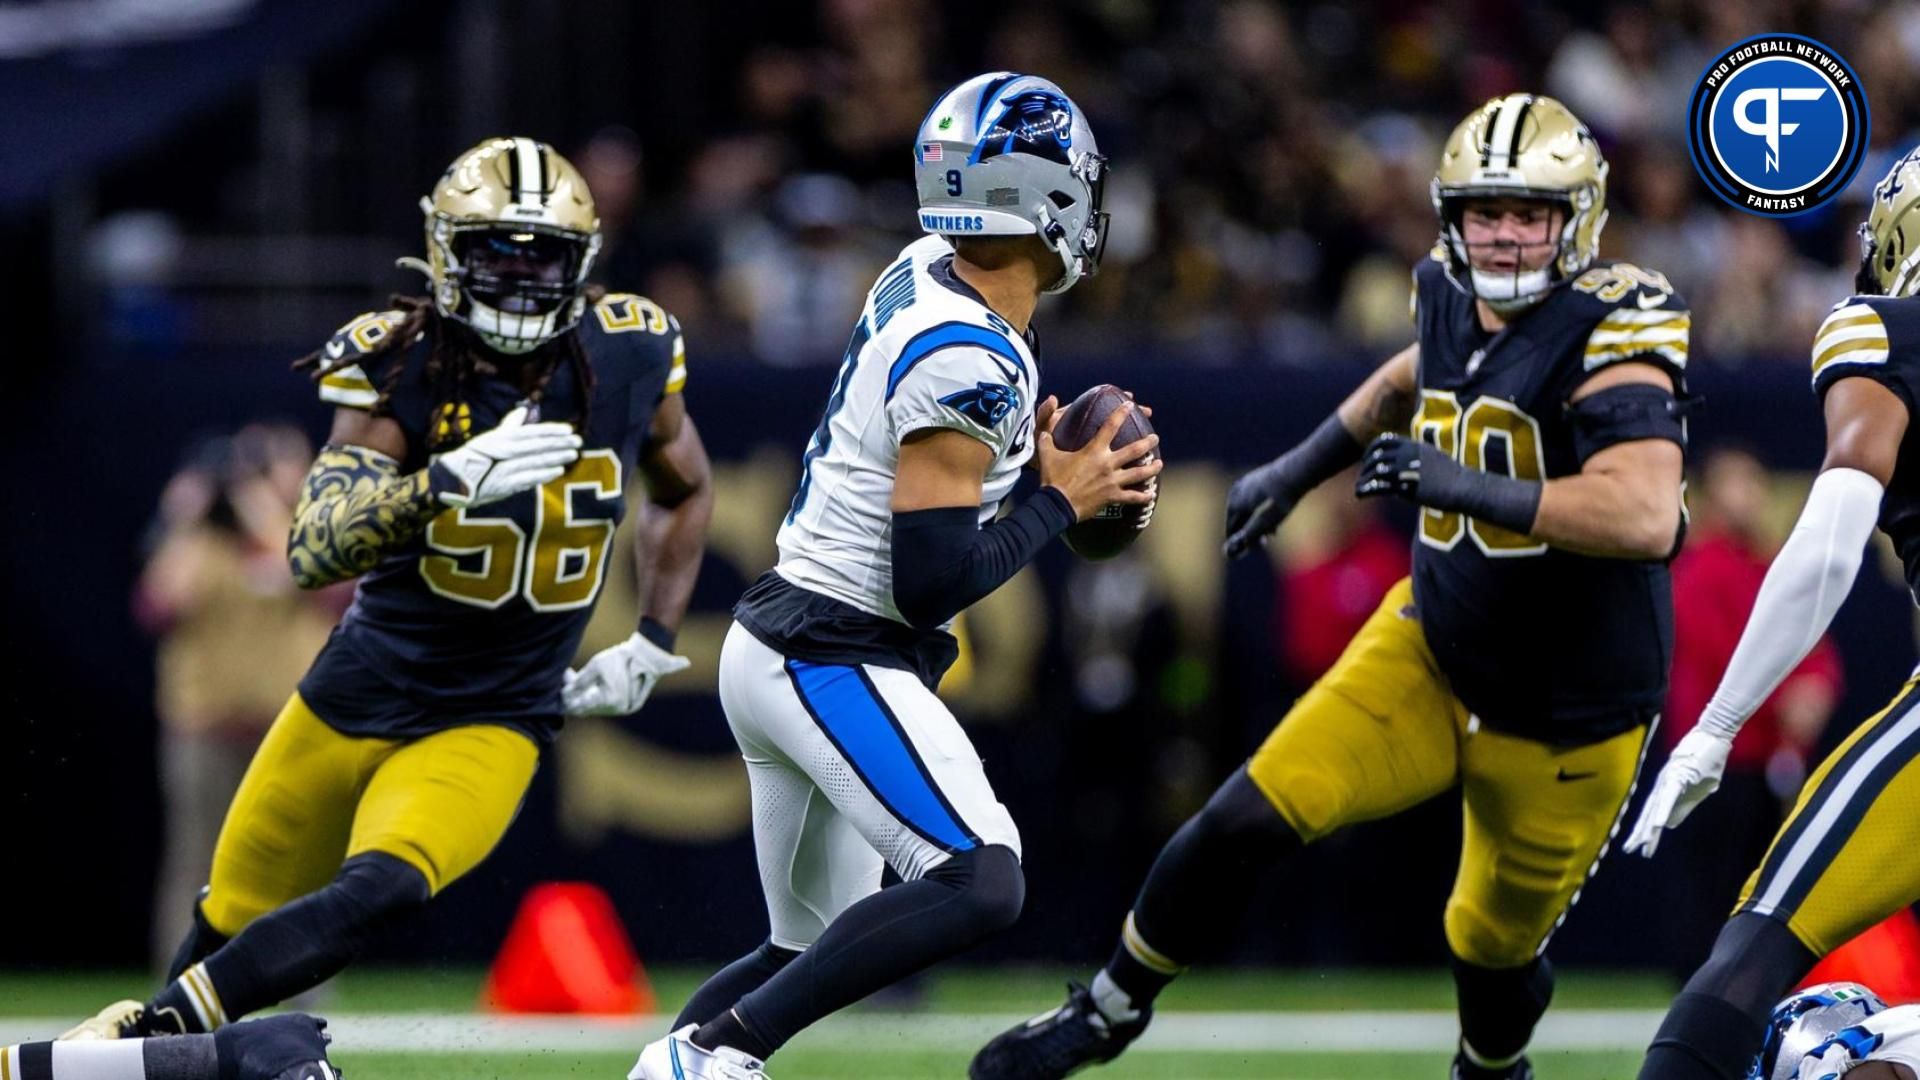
1255, 1015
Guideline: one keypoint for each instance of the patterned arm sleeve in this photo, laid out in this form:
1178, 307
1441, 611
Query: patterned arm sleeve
354, 509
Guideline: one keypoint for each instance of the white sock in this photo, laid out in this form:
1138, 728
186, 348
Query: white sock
1113, 1002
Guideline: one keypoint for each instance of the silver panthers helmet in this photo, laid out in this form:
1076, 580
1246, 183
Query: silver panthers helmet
1011, 155
1805, 1021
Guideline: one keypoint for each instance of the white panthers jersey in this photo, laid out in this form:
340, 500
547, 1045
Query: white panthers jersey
1891, 1035
927, 352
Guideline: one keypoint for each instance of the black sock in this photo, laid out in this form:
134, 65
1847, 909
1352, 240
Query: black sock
733, 982
201, 940
1703, 1038
729, 1030
288, 950
1500, 1006
1197, 893
879, 941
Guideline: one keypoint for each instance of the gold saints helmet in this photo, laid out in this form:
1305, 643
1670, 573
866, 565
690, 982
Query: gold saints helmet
1527, 147
1890, 237
511, 235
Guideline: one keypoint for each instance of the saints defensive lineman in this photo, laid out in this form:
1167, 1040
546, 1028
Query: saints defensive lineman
828, 674
1525, 659
472, 482
1844, 860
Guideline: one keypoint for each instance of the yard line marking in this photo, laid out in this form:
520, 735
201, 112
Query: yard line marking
1172, 1032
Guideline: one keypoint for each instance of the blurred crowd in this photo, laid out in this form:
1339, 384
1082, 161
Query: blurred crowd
1272, 161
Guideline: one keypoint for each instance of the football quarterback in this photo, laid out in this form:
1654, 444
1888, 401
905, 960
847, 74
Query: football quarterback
829, 672
1844, 858
476, 471
1534, 422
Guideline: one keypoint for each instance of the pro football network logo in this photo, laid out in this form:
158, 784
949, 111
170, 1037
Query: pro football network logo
1777, 125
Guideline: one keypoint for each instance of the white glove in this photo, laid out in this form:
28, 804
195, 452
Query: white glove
512, 458
1690, 775
617, 680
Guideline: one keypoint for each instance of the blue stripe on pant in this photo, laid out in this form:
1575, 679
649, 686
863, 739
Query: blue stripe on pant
849, 709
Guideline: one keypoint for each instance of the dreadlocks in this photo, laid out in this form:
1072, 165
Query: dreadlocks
455, 360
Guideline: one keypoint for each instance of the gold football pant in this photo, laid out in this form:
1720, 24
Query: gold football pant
314, 797
1383, 731
1844, 859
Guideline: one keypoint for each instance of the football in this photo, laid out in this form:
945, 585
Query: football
1109, 532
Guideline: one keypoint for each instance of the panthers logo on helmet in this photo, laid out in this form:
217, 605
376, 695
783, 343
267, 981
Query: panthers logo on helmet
985, 404
1807, 1020
1039, 122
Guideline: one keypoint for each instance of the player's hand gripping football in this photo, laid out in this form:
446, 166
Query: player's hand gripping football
617, 680
1096, 475
512, 458
1691, 774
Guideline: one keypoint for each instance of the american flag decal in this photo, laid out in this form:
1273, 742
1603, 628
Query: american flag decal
930, 151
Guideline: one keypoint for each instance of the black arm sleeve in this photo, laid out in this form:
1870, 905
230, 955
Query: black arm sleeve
1627, 413
943, 561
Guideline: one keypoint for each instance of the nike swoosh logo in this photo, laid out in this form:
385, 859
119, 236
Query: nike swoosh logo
1563, 776
336, 349
1657, 298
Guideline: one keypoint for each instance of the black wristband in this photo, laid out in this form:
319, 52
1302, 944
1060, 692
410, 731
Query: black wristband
1318, 457
657, 632
1055, 510
1491, 497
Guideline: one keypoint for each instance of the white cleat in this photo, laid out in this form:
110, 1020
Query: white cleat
113, 1022
676, 1058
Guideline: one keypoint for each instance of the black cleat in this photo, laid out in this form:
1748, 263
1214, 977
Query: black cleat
292, 1046
1057, 1043
1467, 1070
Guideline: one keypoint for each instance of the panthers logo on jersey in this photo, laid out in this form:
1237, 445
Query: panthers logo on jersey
985, 404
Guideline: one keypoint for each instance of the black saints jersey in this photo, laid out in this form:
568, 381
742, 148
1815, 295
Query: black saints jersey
1539, 641
1878, 338
476, 619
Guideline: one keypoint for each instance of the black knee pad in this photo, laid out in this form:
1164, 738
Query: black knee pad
990, 883
1240, 815
370, 887
1754, 962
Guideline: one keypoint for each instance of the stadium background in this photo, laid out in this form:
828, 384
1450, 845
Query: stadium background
195, 192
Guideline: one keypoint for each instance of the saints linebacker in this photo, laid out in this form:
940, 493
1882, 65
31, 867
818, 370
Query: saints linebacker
1525, 659
1844, 859
472, 482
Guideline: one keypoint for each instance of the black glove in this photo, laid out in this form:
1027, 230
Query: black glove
1256, 505
1420, 473
1394, 465
1262, 499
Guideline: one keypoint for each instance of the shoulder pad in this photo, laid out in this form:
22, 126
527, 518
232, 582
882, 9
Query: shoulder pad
1636, 313
1853, 333
343, 381
989, 350
630, 313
